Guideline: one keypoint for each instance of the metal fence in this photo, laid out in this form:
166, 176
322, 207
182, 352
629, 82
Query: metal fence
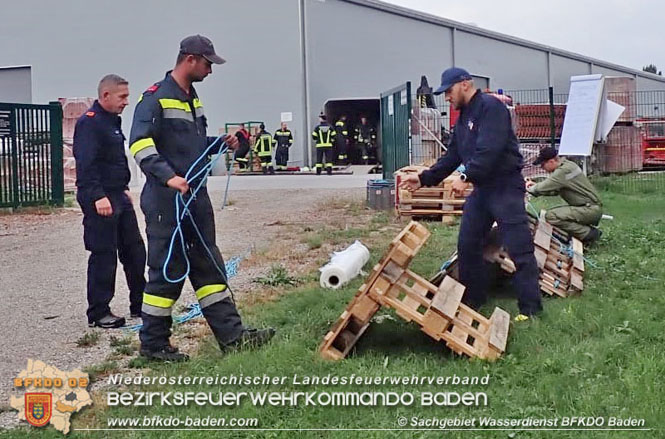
31, 169
632, 158
395, 115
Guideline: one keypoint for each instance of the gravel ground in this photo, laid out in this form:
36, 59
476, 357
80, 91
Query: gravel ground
43, 274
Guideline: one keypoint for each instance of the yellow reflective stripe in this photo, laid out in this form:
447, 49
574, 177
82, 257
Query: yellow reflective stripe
140, 145
175, 104
140, 98
161, 302
197, 103
209, 289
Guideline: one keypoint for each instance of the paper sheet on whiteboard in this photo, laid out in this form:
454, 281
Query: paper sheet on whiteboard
609, 118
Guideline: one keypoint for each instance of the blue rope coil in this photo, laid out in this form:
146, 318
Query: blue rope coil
182, 211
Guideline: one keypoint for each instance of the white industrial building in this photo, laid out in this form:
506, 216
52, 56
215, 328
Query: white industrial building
286, 58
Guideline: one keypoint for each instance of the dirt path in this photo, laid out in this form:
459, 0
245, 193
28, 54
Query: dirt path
43, 271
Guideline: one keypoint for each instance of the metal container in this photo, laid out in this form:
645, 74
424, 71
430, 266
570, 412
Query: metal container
381, 194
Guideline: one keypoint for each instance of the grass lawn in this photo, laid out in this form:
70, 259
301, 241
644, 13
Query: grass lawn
597, 355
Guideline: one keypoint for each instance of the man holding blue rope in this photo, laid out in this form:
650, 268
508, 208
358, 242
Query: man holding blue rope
168, 140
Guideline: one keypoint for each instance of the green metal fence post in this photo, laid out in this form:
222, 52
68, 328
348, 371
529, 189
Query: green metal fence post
57, 176
552, 126
14, 160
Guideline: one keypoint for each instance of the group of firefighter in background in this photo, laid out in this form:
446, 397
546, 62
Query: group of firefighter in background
333, 144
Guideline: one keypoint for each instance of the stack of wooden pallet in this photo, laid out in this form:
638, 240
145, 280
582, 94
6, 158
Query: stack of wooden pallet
438, 201
560, 259
438, 310
561, 265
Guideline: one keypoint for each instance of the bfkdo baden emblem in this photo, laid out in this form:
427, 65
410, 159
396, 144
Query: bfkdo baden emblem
38, 408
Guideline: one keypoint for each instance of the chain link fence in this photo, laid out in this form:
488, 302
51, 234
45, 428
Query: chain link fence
632, 159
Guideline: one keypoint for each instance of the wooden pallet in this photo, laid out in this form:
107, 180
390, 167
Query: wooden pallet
355, 319
438, 310
430, 201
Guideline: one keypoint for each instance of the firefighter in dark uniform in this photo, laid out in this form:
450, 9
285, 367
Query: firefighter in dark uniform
284, 140
243, 147
110, 229
323, 136
263, 148
483, 140
342, 139
168, 136
365, 136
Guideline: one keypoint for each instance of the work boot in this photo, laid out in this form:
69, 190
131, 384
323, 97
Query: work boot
329, 171
591, 237
166, 354
318, 171
108, 321
250, 339
264, 170
271, 170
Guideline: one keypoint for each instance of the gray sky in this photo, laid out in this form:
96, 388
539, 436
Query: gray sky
628, 33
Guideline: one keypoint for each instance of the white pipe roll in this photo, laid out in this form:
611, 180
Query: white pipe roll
344, 266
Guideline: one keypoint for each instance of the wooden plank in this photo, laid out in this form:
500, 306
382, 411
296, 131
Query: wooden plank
392, 272
499, 325
423, 212
541, 257
434, 324
448, 297
543, 235
578, 255
433, 201
576, 281
380, 289
365, 308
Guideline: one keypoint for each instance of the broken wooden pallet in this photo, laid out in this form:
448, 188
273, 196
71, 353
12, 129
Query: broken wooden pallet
438, 310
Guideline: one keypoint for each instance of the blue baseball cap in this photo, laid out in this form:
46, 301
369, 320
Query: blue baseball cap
450, 77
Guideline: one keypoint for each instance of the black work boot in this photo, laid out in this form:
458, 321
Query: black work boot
166, 354
108, 321
250, 339
591, 237
318, 171
329, 171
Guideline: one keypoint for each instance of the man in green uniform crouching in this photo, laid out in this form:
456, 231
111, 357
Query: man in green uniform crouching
567, 180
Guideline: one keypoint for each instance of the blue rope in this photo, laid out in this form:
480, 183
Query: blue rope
445, 265
181, 212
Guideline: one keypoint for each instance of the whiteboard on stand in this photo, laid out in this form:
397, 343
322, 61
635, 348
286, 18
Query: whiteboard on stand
580, 126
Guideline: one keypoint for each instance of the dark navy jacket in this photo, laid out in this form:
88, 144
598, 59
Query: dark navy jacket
483, 140
99, 150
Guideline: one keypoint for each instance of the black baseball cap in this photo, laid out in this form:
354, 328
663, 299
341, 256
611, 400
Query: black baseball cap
545, 154
200, 45
450, 77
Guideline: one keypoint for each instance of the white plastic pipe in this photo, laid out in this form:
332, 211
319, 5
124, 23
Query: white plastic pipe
344, 266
